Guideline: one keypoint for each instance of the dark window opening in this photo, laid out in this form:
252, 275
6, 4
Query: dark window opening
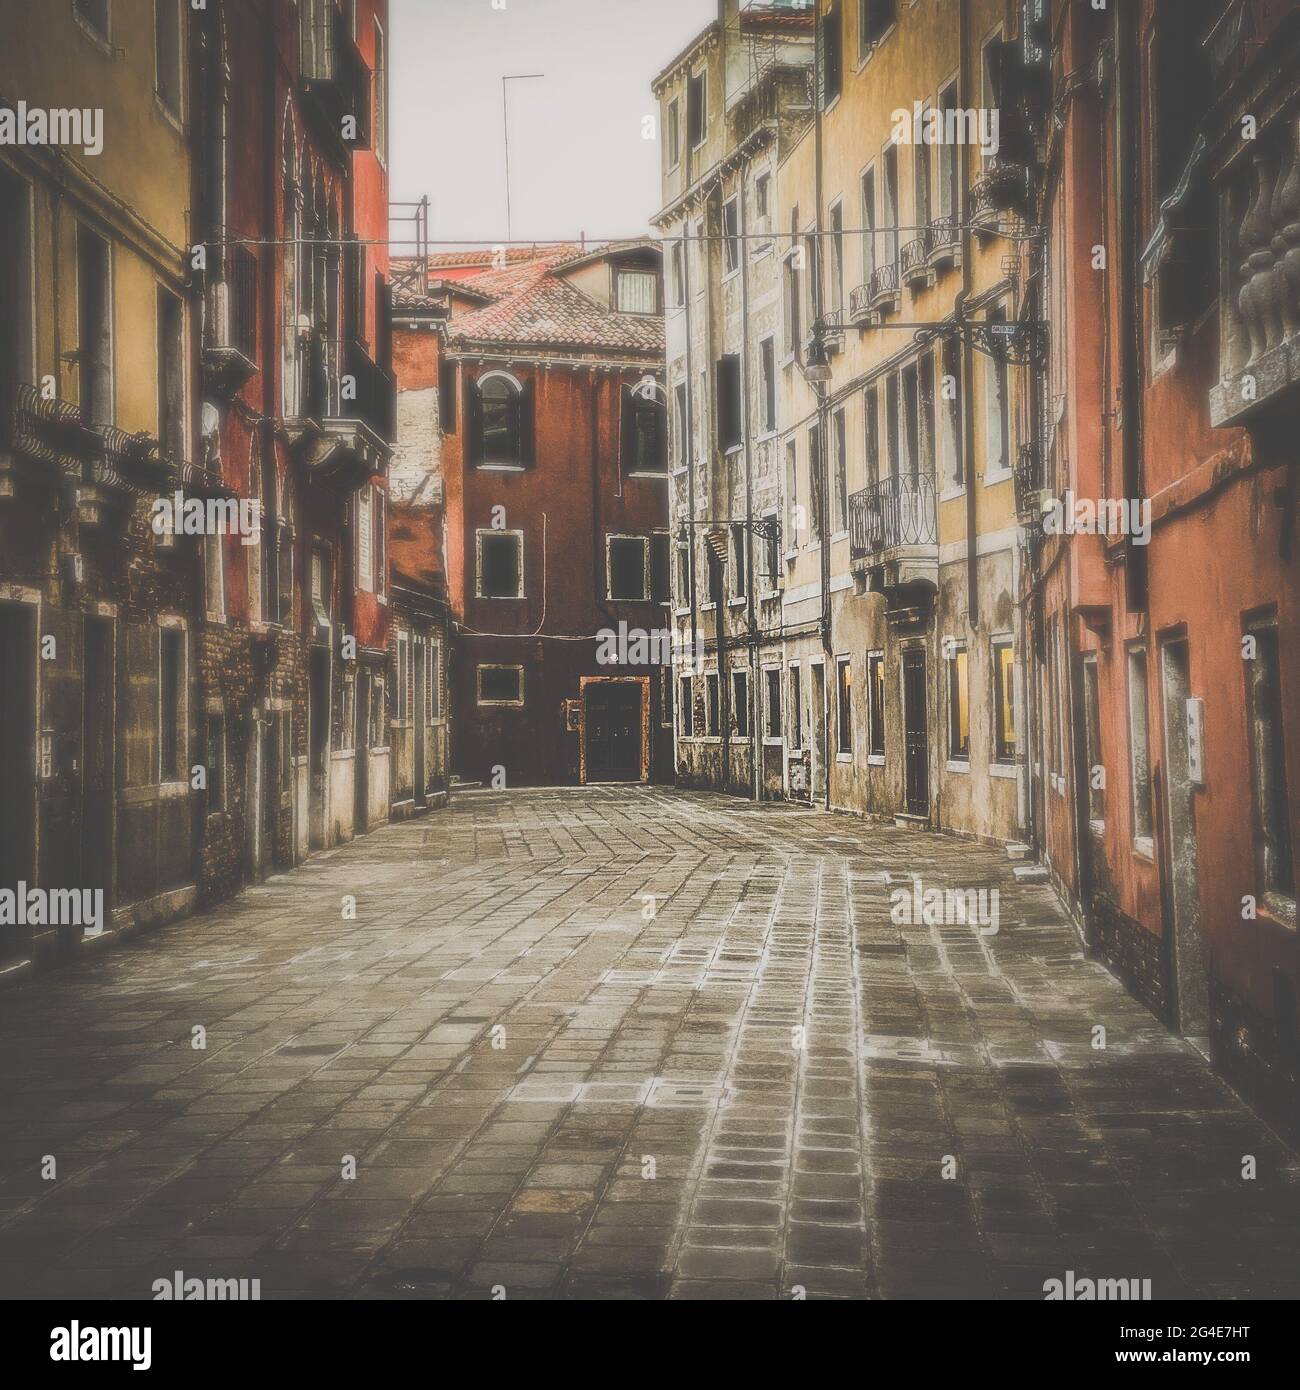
729, 402
660, 571
500, 570
627, 565
500, 685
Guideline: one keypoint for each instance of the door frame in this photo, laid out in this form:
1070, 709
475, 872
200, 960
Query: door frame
917, 649
15, 596
104, 614
1188, 967
583, 683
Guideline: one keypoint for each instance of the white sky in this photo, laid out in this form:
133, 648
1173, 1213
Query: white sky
578, 162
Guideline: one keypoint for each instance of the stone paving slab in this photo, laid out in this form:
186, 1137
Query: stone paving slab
623, 1043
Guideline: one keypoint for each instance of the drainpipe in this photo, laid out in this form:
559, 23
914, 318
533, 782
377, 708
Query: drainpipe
964, 81
751, 620
823, 415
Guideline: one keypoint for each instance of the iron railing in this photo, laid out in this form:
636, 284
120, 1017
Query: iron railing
898, 510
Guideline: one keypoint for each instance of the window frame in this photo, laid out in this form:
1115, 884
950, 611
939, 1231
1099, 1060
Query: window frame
627, 538
483, 703
491, 532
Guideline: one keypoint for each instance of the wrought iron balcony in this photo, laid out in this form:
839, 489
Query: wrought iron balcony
945, 243
914, 261
896, 511
1029, 481
49, 431
375, 401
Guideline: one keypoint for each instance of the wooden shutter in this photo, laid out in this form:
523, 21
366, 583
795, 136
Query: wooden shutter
473, 423
527, 433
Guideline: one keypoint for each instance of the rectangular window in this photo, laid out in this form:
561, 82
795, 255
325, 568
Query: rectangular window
791, 494
346, 737
796, 709
958, 706
95, 328
889, 213
686, 704
627, 568
876, 707
874, 20
712, 712
996, 411
793, 291
832, 54
171, 695
739, 561
365, 539
500, 685
683, 437
215, 762
772, 554
731, 235
679, 275
892, 432
683, 576
1273, 861
645, 438
740, 702
661, 585
767, 373
763, 196
836, 305
949, 166
403, 669
872, 429
841, 471
638, 292
380, 86
1004, 699
844, 701
500, 564
715, 568
772, 677
378, 731
921, 181
17, 278
674, 133
697, 110
447, 397
1092, 735
816, 520
94, 13
729, 404
868, 225
1139, 748
167, 23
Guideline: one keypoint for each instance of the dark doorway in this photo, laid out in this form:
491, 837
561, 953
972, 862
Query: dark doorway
1190, 978
97, 745
319, 734
361, 757
418, 726
17, 754
916, 734
613, 731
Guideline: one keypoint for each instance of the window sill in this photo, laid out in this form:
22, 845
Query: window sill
791, 556
738, 602
769, 596
957, 765
875, 760
500, 468
1007, 770
839, 536
1097, 828
844, 757
773, 741
952, 493
649, 473
1144, 848
502, 598
500, 704
708, 607
1000, 475
1279, 910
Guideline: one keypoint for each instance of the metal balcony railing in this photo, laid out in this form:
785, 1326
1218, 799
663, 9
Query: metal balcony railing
914, 258
376, 393
898, 510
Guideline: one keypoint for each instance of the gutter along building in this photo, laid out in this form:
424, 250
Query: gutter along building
533, 394
199, 307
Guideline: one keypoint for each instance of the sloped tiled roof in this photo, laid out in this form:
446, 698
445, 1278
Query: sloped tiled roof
535, 307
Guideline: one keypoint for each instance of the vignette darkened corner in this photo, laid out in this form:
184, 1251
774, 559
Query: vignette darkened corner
649, 652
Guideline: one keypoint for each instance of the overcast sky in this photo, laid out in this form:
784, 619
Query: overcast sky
578, 162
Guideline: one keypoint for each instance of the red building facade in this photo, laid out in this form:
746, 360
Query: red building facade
1166, 706
537, 388
292, 189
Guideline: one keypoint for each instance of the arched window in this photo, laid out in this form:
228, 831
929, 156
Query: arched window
502, 410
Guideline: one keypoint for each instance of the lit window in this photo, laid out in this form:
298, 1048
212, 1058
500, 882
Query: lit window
958, 706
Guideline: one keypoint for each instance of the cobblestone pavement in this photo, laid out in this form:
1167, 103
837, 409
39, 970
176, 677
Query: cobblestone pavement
550, 1087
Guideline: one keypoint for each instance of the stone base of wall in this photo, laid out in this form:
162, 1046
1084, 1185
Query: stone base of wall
1257, 1060
1132, 952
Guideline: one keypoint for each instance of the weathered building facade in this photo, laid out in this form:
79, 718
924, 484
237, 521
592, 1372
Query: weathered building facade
197, 412
731, 106
533, 392
1167, 727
